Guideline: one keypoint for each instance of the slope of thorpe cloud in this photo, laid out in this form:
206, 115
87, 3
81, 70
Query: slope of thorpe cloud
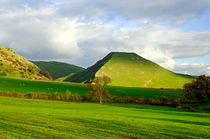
14, 65
131, 70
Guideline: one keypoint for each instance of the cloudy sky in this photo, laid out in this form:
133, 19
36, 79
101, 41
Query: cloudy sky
173, 33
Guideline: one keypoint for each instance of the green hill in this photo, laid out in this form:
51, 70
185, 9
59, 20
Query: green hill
14, 65
58, 69
131, 70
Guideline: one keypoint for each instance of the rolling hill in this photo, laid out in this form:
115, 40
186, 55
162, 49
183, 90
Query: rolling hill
14, 65
58, 69
131, 70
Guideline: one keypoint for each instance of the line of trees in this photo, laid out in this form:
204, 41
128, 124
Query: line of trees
69, 97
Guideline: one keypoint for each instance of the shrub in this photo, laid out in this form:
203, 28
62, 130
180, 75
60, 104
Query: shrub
97, 86
46, 74
198, 90
20, 95
68, 96
42, 96
32, 95
176, 102
3, 74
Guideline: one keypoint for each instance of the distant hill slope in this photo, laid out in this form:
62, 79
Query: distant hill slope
131, 70
14, 65
58, 69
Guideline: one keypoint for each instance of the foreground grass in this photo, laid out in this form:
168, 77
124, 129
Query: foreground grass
27, 86
25, 118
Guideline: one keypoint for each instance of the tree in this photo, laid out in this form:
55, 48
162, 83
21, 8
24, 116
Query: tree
46, 74
198, 90
97, 86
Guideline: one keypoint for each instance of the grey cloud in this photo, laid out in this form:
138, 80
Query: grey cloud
193, 69
175, 11
49, 31
157, 43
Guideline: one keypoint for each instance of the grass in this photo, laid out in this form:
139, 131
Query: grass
203, 108
26, 86
58, 69
131, 70
14, 65
65, 77
25, 118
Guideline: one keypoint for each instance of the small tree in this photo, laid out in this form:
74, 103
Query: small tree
46, 74
97, 87
198, 90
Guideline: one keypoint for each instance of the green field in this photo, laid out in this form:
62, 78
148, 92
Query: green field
25, 118
26, 86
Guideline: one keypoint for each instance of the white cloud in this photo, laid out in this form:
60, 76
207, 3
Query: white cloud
72, 29
193, 69
157, 43
176, 11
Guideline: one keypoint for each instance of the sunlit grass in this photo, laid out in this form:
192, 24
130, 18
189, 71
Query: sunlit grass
25, 118
27, 86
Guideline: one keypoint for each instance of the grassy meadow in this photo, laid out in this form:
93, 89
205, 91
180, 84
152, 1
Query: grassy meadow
26, 86
26, 118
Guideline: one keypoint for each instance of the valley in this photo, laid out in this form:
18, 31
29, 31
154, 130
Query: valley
53, 100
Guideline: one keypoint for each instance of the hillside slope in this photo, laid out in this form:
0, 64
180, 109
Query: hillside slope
131, 70
14, 65
58, 69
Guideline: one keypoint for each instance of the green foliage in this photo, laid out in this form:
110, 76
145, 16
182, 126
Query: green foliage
58, 69
198, 90
68, 96
131, 70
46, 74
26, 118
97, 86
52, 96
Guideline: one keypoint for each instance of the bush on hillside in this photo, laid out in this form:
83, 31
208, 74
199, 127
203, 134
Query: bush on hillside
3, 74
46, 74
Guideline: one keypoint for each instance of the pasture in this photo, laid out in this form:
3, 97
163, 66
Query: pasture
26, 86
26, 118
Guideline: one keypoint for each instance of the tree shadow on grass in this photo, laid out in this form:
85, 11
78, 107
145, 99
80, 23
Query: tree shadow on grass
112, 127
160, 109
127, 130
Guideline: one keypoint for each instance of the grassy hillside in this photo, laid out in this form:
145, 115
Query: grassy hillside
65, 77
27, 86
131, 70
90, 72
14, 65
24, 118
58, 69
